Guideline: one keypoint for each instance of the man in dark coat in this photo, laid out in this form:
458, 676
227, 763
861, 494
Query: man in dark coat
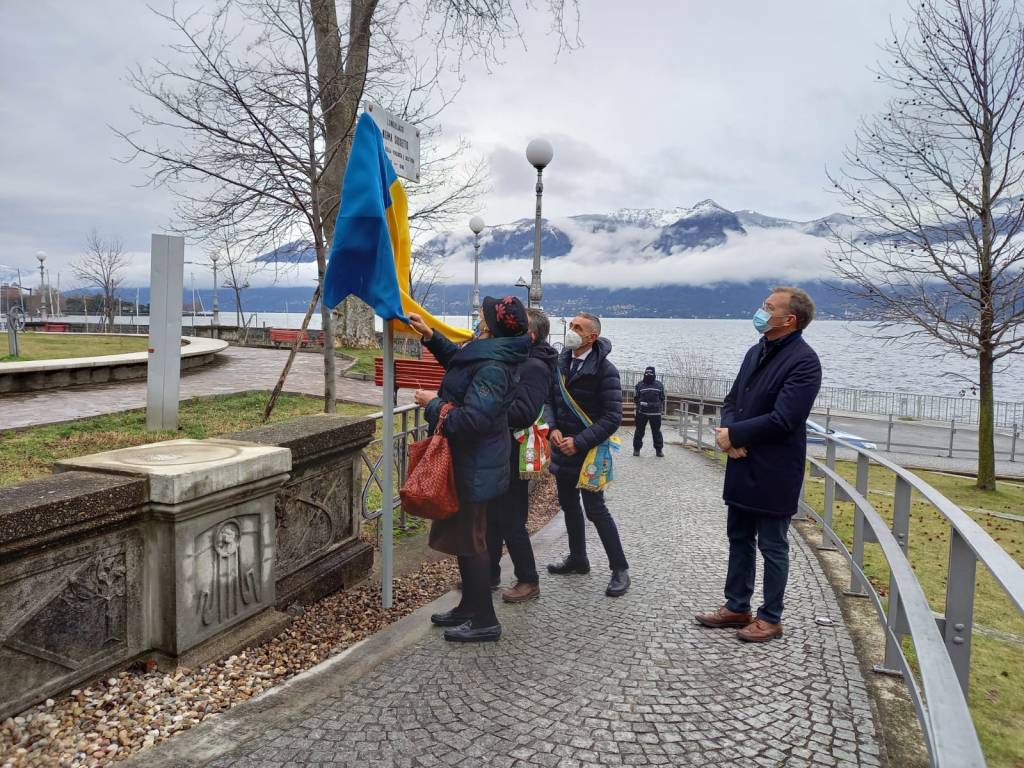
593, 382
764, 433
649, 399
507, 514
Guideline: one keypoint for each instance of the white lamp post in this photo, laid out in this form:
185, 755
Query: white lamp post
476, 224
41, 255
216, 304
539, 152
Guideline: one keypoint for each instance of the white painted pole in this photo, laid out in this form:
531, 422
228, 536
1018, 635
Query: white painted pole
163, 378
387, 482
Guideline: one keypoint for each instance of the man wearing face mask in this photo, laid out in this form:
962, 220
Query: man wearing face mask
649, 398
592, 381
764, 433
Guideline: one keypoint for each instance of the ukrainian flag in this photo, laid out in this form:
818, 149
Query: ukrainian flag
370, 255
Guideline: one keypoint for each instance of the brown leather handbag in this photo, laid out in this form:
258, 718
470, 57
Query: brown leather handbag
429, 489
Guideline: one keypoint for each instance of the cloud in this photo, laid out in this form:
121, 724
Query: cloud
617, 260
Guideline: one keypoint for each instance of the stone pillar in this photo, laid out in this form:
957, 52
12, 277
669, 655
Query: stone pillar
209, 550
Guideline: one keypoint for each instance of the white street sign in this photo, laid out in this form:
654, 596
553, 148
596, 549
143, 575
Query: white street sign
401, 141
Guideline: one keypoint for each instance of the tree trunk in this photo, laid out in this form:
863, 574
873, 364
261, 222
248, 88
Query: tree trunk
330, 382
986, 425
341, 88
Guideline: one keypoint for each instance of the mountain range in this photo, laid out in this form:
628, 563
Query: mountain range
667, 241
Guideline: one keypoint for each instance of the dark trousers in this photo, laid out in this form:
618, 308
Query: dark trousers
506, 522
747, 530
642, 420
597, 513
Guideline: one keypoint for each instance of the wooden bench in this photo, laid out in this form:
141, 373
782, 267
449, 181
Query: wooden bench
279, 336
425, 373
56, 327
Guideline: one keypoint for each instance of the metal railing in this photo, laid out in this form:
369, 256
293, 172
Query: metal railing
412, 426
963, 410
942, 643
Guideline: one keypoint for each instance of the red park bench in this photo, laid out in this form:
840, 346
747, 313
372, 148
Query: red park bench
425, 373
56, 327
279, 336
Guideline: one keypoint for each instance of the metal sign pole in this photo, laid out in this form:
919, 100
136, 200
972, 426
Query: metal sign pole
387, 482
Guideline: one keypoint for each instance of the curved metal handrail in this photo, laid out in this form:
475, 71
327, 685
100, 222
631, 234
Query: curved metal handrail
1004, 568
943, 712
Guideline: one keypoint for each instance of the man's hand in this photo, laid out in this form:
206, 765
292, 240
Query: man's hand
722, 438
555, 436
737, 453
568, 446
420, 327
423, 396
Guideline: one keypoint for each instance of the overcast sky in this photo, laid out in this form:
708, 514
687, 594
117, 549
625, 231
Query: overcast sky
666, 104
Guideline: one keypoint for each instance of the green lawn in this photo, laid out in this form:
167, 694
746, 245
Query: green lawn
46, 346
997, 665
364, 359
30, 453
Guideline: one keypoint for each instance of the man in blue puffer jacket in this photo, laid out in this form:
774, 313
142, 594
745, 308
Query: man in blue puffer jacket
593, 382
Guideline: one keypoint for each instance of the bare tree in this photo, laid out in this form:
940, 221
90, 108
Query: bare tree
268, 118
936, 183
102, 266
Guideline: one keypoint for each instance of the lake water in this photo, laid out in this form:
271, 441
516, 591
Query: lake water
850, 355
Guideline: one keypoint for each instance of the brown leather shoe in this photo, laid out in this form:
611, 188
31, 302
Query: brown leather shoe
722, 618
520, 592
759, 631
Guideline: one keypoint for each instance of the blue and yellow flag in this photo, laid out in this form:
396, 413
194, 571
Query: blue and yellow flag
371, 253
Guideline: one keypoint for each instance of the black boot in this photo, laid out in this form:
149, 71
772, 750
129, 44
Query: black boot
659, 454
619, 583
636, 452
568, 564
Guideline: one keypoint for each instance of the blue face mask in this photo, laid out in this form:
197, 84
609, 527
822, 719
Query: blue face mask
761, 318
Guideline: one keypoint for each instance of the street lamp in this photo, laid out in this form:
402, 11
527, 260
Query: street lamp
521, 283
216, 305
41, 255
539, 152
476, 224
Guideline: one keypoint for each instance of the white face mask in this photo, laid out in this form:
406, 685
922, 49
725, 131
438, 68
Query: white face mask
573, 340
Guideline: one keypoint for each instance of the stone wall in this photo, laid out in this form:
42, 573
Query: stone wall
317, 519
177, 551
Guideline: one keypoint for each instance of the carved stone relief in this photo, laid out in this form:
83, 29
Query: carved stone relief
228, 568
312, 516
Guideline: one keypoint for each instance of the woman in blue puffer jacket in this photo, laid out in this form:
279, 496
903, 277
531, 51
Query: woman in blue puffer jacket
478, 382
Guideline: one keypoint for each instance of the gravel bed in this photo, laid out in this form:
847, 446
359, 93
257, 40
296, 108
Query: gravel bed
138, 707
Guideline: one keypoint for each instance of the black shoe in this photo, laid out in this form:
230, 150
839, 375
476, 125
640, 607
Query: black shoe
452, 618
568, 565
465, 633
659, 454
636, 453
619, 583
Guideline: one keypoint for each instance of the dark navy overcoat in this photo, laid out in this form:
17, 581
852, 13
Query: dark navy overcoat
766, 412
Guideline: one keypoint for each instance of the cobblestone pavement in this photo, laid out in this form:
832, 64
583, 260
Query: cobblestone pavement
236, 369
580, 679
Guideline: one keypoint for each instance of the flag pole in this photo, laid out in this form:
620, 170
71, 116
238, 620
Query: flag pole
388, 458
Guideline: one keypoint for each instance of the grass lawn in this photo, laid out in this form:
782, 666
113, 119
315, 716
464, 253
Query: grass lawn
997, 665
29, 453
364, 358
47, 346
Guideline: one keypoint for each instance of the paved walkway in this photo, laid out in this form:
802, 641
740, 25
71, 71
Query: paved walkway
580, 679
236, 369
